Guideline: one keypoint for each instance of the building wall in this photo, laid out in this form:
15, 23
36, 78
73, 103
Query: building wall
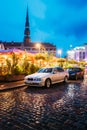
78, 53
31, 47
2, 46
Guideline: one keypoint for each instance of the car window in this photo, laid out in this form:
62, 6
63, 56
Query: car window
48, 70
77, 69
60, 69
74, 69
70, 69
40, 71
45, 70
55, 70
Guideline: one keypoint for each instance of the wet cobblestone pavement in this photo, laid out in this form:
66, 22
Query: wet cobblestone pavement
62, 107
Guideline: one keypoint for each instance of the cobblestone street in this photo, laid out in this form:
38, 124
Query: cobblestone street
61, 107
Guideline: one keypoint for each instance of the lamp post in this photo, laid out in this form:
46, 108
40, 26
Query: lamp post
38, 46
59, 53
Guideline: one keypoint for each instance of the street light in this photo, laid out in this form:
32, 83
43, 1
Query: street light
59, 53
38, 46
70, 46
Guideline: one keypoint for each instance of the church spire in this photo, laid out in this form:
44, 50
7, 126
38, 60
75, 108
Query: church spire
27, 30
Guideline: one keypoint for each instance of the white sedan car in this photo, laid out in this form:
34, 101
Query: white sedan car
47, 77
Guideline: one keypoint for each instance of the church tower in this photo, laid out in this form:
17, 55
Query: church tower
27, 30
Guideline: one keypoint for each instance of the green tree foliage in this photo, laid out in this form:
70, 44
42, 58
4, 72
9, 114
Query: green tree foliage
40, 57
33, 68
18, 70
15, 60
61, 61
9, 66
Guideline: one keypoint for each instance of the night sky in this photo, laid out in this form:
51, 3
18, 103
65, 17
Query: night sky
61, 22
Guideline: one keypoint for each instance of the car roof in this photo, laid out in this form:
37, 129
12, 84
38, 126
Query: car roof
74, 68
52, 67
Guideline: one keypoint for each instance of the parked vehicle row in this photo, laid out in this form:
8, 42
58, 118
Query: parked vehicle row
51, 75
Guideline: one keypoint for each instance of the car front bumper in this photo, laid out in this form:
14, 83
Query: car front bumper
34, 83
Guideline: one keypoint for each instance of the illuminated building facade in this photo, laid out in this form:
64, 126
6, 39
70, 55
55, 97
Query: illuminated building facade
2, 46
78, 53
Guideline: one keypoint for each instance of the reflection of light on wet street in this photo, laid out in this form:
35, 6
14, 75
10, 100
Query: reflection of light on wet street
7, 101
39, 108
70, 92
35, 103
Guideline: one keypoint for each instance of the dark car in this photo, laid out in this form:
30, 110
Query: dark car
75, 73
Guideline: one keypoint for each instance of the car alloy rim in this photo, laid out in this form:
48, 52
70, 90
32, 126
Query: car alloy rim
48, 83
65, 80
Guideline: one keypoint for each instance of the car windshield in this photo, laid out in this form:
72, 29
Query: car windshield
45, 70
70, 69
73, 69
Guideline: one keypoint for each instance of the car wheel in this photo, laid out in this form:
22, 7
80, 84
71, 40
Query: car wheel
82, 77
65, 79
48, 83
